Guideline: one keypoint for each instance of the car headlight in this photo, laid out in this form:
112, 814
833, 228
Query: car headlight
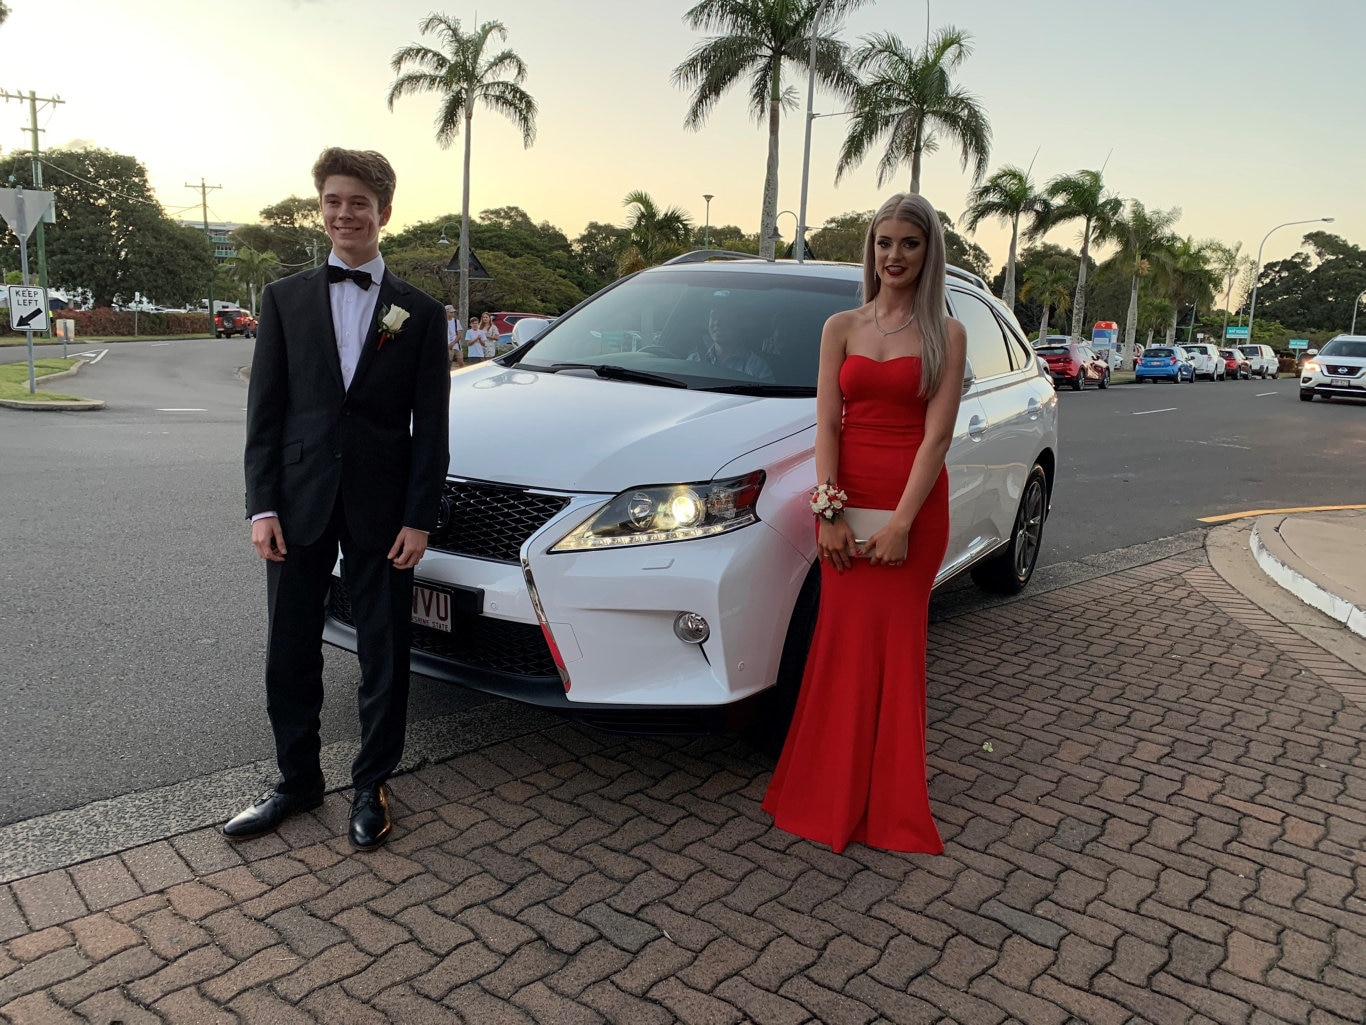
1310, 367
668, 512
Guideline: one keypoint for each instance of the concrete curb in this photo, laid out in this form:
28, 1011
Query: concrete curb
1279, 563
75, 405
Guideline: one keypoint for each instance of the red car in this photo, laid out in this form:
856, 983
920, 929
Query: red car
1075, 364
228, 322
504, 320
1237, 365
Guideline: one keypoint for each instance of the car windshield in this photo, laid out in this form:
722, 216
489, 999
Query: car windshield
1228, 354
702, 329
1340, 347
1053, 350
1249, 350
1159, 352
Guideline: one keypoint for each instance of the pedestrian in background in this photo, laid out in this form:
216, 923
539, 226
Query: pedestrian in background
474, 340
453, 345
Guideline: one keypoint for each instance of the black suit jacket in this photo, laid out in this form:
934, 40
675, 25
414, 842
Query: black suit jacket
381, 444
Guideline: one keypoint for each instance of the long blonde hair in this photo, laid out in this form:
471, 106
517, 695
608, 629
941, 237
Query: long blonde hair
931, 311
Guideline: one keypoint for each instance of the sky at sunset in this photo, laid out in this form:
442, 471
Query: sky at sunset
1237, 111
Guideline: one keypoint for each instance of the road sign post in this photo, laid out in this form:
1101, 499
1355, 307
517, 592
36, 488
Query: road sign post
21, 209
1234, 333
1299, 343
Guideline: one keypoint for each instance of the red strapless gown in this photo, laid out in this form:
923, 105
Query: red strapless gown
853, 767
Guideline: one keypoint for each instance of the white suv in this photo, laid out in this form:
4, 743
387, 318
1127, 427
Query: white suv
1206, 360
1337, 371
1262, 361
625, 534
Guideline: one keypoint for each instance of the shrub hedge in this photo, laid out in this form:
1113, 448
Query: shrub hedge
120, 323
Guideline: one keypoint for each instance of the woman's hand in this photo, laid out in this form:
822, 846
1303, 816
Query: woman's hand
888, 546
836, 544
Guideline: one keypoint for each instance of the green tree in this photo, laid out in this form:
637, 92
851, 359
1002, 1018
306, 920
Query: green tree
1153, 313
959, 252
292, 229
1314, 290
464, 77
1007, 195
1051, 288
253, 269
1029, 311
4, 12
1140, 233
729, 236
598, 250
654, 235
111, 241
1082, 197
909, 96
1230, 263
1187, 278
757, 40
843, 237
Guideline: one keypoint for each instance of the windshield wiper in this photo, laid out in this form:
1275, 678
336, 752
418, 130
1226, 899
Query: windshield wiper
782, 391
613, 372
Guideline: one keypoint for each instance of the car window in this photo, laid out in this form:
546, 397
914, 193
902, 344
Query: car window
1158, 352
1052, 350
703, 328
986, 341
1341, 347
1250, 350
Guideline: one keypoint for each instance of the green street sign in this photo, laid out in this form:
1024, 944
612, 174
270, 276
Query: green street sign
1237, 332
1299, 343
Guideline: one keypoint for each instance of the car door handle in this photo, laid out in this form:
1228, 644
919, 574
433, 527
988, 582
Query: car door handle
1032, 409
976, 428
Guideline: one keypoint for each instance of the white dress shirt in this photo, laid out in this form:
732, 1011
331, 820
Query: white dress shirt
353, 310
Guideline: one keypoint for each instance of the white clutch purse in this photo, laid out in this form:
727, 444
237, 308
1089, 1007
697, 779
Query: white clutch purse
866, 522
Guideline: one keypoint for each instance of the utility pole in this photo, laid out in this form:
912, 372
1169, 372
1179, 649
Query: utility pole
33, 130
213, 259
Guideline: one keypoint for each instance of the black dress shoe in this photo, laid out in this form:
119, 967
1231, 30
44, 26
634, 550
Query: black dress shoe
370, 823
267, 812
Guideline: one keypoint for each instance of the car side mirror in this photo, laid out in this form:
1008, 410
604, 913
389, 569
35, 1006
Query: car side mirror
969, 377
1312, 352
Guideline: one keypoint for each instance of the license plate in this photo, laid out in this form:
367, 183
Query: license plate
431, 608
1341, 382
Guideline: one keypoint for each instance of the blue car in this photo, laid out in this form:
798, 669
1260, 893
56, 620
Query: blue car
1164, 363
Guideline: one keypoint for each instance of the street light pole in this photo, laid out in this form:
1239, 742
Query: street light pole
706, 231
1353, 329
800, 245
1257, 268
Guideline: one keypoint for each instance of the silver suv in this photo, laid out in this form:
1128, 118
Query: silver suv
630, 540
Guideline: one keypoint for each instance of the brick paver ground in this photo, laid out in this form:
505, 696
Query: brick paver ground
1161, 825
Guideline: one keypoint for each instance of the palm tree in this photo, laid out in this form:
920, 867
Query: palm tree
759, 38
463, 76
1153, 311
1140, 233
1051, 288
1228, 262
655, 234
1007, 195
908, 95
4, 12
1188, 279
1082, 197
251, 268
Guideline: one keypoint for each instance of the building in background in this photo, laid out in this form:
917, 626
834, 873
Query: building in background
221, 233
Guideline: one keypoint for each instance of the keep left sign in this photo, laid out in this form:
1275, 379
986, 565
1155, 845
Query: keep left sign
27, 308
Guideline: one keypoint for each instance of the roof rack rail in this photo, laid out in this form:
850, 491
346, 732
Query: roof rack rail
702, 255
968, 276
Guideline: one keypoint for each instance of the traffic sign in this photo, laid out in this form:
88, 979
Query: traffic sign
23, 208
1237, 332
1299, 343
27, 308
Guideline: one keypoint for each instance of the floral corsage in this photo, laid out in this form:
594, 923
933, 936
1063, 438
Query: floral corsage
828, 501
391, 320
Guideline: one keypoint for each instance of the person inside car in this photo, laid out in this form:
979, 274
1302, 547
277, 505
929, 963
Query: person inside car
731, 333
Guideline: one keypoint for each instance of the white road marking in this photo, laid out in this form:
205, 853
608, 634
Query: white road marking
180, 410
1169, 409
93, 356
1264, 394
156, 345
1219, 444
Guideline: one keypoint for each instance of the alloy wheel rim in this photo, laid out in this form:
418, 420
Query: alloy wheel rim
1029, 528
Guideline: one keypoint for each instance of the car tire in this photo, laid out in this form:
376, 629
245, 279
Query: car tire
1009, 571
1105, 381
1276, 373
1079, 382
767, 730
1306, 396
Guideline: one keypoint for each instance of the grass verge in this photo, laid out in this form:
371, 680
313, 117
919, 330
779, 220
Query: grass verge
14, 380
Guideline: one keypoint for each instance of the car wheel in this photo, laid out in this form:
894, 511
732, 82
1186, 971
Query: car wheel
1008, 572
1079, 382
1275, 373
773, 713
1306, 396
1105, 381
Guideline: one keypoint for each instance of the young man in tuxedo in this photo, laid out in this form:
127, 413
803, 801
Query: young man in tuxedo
346, 446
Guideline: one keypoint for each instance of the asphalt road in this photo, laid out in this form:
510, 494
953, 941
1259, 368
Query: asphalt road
132, 606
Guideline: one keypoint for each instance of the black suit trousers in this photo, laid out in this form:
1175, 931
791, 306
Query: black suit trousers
381, 604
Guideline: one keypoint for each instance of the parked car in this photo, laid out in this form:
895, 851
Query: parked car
1205, 360
1337, 371
1236, 365
634, 546
229, 322
1164, 363
1074, 364
1262, 360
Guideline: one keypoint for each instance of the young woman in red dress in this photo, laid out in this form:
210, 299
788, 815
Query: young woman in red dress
890, 379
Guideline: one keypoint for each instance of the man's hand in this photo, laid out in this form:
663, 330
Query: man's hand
268, 538
408, 548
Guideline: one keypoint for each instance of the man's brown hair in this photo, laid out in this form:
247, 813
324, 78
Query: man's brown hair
370, 167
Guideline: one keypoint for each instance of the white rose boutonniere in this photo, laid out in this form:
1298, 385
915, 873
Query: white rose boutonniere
391, 320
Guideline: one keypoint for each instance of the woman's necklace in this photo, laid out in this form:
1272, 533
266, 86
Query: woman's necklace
878, 324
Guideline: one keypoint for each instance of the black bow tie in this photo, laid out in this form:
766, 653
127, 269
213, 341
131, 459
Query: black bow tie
360, 277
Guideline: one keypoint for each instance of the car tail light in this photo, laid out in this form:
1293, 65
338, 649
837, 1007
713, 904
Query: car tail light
1173, 361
